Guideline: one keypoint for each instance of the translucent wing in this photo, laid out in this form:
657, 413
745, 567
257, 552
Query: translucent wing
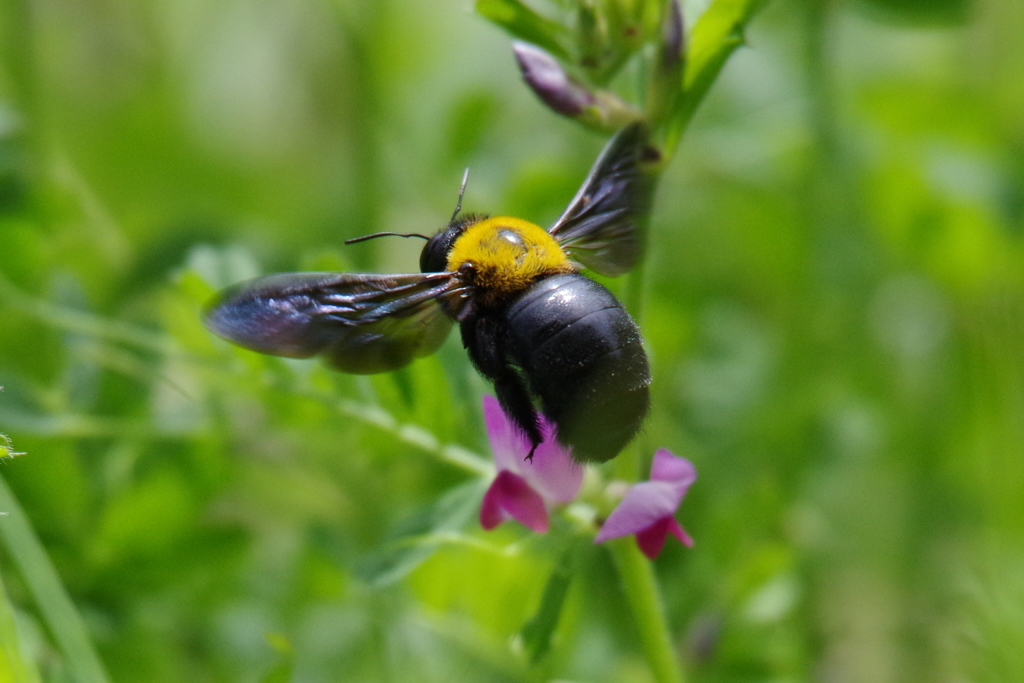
603, 226
360, 324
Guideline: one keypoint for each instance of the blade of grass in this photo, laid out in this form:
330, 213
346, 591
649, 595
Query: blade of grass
59, 613
15, 667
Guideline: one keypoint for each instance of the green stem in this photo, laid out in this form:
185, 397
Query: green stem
627, 464
641, 589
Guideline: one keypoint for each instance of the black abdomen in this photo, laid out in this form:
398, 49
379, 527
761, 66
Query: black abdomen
582, 356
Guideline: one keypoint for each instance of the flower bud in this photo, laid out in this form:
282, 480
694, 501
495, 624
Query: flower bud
548, 79
601, 110
673, 37
666, 78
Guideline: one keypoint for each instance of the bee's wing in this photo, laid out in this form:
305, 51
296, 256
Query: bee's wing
361, 324
603, 226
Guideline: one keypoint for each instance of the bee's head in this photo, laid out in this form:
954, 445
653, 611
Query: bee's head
434, 257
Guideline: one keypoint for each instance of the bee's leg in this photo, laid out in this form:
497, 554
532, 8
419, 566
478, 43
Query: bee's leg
484, 338
516, 403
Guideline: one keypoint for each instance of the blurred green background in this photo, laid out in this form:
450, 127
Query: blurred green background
835, 315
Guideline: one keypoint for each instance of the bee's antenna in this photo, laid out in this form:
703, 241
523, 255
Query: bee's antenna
462, 191
385, 234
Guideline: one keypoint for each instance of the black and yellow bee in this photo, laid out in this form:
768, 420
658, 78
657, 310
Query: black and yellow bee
533, 325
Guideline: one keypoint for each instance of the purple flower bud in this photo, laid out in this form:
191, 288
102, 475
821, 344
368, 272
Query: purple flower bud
548, 79
673, 35
665, 81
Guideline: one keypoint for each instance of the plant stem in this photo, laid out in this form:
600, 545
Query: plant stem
641, 589
627, 465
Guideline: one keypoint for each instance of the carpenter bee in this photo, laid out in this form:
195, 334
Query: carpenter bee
532, 324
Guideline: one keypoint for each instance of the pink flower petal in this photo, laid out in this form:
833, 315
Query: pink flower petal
648, 508
668, 467
509, 445
679, 532
643, 505
552, 471
652, 539
509, 496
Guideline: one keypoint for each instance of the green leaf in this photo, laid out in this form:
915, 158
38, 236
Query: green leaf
538, 632
522, 22
422, 533
718, 33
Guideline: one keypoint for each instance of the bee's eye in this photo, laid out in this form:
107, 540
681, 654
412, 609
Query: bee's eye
434, 257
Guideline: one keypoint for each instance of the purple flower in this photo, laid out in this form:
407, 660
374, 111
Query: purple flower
648, 508
524, 489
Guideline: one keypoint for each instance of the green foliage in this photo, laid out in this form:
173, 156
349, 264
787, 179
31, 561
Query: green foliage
53, 602
16, 665
833, 305
539, 631
6, 450
421, 534
920, 12
523, 22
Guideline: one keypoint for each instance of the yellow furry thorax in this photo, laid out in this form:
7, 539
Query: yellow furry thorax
507, 254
